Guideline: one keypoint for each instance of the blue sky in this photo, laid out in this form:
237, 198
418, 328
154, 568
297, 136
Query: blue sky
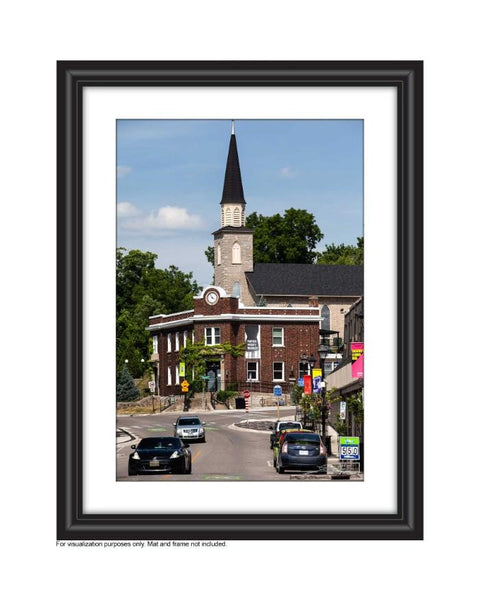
170, 181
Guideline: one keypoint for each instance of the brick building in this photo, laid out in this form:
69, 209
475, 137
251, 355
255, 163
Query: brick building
281, 311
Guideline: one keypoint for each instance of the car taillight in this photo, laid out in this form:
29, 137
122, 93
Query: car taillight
285, 448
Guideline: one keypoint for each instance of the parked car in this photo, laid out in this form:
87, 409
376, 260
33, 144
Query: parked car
299, 450
279, 442
190, 428
160, 455
280, 426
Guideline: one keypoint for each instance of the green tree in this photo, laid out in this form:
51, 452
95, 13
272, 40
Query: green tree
210, 254
342, 254
290, 238
142, 291
126, 388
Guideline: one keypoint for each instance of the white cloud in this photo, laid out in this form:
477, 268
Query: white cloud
122, 171
165, 218
126, 209
288, 173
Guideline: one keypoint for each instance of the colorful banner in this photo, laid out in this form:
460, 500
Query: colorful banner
357, 359
317, 380
357, 368
307, 384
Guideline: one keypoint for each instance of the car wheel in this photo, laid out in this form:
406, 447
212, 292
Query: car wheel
189, 470
131, 472
280, 469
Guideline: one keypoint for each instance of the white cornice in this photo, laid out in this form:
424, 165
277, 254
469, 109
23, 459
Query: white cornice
234, 318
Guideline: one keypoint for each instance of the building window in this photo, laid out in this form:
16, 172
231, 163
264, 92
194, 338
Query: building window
236, 254
252, 341
169, 375
212, 336
169, 342
277, 336
325, 314
228, 217
278, 371
236, 217
184, 338
177, 375
303, 369
252, 371
236, 290
155, 344
177, 342
330, 366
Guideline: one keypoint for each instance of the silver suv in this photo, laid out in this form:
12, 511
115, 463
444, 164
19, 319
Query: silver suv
190, 428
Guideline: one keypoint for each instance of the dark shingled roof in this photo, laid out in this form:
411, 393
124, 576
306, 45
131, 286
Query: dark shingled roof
232, 187
269, 279
229, 228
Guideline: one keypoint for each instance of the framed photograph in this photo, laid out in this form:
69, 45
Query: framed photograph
101, 104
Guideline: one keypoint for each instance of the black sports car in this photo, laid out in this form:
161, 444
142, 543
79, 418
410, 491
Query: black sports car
160, 455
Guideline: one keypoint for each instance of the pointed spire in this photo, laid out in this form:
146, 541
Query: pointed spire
232, 187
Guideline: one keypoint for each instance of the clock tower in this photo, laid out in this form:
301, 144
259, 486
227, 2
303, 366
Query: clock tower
233, 242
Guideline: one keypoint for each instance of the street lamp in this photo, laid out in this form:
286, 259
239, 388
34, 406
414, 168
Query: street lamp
322, 355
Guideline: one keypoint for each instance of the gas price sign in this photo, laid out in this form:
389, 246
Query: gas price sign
349, 448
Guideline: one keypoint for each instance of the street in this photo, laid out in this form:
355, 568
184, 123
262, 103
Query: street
231, 453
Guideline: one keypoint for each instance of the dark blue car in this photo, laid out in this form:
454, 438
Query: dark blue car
301, 451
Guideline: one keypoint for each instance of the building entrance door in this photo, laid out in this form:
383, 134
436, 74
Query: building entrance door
213, 374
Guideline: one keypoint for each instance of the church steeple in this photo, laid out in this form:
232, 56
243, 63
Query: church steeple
233, 254
232, 187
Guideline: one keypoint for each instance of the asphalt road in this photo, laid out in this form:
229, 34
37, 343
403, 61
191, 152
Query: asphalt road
230, 453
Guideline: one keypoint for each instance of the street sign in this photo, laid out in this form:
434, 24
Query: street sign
151, 385
246, 394
343, 409
300, 382
277, 390
349, 448
181, 369
185, 385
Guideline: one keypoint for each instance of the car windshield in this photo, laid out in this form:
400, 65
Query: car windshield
155, 443
192, 421
303, 438
284, 426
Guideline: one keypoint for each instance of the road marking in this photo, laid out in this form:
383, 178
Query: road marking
196, 455
270, 463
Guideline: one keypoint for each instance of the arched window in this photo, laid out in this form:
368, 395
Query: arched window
325, 324
228, 216
236, 217
236, 254
236, 290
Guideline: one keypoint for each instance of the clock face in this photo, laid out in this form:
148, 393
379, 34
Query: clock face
212, 297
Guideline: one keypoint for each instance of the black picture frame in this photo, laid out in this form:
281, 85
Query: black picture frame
407, 523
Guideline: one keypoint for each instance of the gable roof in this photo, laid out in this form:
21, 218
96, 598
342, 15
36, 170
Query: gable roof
286, 279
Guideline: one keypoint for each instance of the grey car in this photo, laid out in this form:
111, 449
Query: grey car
190, 428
